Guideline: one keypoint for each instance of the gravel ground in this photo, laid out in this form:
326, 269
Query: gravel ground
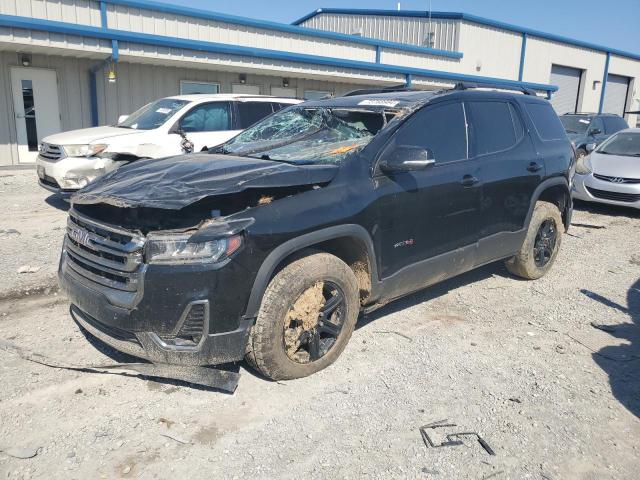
518, 362
31, 231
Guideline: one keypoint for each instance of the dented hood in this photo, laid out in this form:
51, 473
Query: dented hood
176, 182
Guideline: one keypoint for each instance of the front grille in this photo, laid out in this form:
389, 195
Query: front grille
51, 152
616, 179
104, 255
616, 196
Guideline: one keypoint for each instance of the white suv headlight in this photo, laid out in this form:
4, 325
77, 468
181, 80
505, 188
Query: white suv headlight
84, 150
176, 248
583, 165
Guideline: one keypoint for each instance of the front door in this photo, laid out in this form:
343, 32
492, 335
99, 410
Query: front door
430, 214
36, 108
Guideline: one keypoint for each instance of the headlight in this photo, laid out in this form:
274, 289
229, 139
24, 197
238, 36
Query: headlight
583, 165
161, 248
84, 150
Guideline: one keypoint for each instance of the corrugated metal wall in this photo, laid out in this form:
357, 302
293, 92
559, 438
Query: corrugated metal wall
411, 30
161, 23
85, 12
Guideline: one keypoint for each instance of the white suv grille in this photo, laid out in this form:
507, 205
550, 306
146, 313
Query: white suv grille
50, 152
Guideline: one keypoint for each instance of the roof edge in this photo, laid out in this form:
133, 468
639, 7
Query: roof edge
473, 19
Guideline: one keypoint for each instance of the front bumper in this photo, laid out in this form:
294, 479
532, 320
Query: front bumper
55, 175
172, 314
591, 189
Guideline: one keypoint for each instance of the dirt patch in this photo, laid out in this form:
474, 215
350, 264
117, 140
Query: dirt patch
306, 309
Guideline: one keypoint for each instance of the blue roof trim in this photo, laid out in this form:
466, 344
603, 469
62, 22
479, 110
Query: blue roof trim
474, 19
172, 42
282, 27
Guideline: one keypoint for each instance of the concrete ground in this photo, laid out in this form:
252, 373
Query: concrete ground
518, 362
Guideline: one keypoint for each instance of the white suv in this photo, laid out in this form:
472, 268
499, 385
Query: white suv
170, 126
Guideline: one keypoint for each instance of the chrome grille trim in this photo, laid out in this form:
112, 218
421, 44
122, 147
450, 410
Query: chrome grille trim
620, 180
105, 255
51, 152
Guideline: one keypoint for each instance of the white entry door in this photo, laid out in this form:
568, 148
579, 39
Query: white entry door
37, 112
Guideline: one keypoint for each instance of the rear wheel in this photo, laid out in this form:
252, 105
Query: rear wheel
306, 318
541, 245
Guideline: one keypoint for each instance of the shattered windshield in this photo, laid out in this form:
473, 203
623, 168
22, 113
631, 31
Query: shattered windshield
575, 123
308, 135
153, 115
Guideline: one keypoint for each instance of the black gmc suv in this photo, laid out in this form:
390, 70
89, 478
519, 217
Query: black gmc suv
268, 247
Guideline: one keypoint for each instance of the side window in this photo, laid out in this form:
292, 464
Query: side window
208, 117
614, 124
546, 121
441, 129
493, 124
517, 123
596, 124
279, 106
251, 112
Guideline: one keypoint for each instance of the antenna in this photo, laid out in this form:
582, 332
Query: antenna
430, 37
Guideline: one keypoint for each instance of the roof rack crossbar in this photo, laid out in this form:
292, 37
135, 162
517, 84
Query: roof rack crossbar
516, 88
370, 91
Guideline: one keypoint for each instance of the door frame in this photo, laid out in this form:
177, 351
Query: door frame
13, 127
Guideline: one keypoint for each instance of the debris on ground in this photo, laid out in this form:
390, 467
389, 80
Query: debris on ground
23, 453
28, 269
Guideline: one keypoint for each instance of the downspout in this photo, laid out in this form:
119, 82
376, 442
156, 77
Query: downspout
604, 82
523, 52
93, 72
407, 80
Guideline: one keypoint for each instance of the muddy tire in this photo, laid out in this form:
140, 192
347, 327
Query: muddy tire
306, 318
541, 245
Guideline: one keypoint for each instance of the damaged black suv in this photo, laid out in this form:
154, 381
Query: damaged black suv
269, 247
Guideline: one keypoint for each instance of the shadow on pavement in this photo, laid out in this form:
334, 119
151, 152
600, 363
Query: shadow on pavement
606, 209
56, 201
622, 362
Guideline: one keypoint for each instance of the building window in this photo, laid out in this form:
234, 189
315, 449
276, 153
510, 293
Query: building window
188, 87
316, 94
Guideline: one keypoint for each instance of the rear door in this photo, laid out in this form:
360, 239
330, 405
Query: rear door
252, 112
427, 213
510, 170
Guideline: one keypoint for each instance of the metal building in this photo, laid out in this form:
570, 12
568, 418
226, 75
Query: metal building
67, 64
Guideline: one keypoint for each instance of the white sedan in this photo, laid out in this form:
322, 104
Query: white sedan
611, 173
170, 126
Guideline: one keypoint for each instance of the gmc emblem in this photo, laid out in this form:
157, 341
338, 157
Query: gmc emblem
80, 236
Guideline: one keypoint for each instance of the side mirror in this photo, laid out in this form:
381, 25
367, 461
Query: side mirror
595, 131
406, 158
590, 147
122, 118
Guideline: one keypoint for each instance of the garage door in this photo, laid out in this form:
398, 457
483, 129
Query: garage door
615, 95
565, 100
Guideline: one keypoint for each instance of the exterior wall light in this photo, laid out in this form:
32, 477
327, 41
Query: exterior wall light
285, 82
243, 78
112, 74
596, 84
25, 60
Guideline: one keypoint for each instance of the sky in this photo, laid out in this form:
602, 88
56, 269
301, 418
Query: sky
612, 23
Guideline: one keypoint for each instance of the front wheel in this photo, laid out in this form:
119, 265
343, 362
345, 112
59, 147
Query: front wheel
306, 318
541, 245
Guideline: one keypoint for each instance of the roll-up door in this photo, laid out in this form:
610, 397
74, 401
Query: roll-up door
615, 94
565, 100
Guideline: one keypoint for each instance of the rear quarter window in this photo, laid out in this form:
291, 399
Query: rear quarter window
546, 121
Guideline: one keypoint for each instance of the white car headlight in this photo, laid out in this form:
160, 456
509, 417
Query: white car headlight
583, 165
84, 150
176, 248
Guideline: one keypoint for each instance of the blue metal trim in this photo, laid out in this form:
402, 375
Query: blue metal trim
605, 77
523, 52
103, 14
474, 19
171, 42
282, 27
115, 51
378, 52
408, 80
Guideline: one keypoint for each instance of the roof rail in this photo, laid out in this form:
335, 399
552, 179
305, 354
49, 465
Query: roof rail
369, 91
468, 85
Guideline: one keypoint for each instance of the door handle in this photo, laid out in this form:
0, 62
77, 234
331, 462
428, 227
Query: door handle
469, 180
534, 167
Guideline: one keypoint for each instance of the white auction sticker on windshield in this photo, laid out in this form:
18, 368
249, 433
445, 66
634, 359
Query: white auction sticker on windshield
163, 111
584, 121
379, 103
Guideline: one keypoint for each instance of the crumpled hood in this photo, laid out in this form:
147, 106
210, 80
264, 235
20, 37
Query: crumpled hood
89, 135
176, 182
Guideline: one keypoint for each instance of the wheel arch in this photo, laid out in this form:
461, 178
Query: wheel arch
553, 190
350, 242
